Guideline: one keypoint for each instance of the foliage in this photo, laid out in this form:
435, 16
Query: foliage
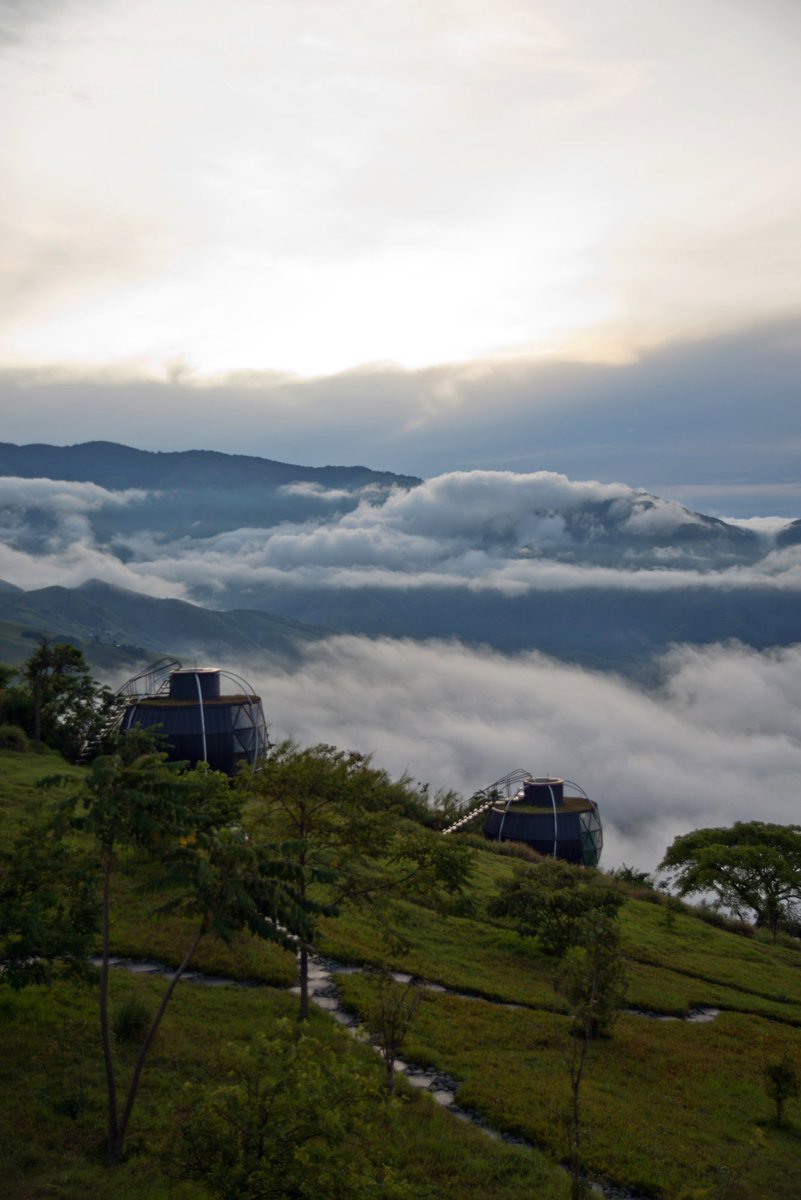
344, 815
592, 978
388, 1017
131, 1020
292, 1120
187, 821
782, 1082
48, 908
553, 901
751, 867
57, 701
14, 737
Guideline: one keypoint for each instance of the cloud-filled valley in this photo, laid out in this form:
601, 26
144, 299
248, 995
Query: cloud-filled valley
718, 741
478, 530
482, 620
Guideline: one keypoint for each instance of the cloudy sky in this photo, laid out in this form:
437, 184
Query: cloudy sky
425, 235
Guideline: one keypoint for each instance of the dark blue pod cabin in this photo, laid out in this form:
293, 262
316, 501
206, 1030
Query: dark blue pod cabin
200, 723
542, 816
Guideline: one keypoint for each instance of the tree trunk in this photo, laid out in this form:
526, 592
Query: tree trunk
143, 1052
105, 1033
37, 711
391, 1074
303, 1013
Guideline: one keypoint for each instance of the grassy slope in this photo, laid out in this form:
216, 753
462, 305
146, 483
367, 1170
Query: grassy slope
674, 1109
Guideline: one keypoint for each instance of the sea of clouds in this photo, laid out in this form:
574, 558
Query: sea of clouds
479, 530
719, 741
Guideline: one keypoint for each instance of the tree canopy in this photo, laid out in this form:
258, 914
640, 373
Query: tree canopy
346, 819
553, 901
752, 868
56, 701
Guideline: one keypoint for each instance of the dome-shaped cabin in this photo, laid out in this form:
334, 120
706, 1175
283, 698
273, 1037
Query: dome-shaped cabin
543, 815
200, 721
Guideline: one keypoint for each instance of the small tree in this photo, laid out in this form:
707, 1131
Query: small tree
782, 1083
344, 816
592, 981
189, 823
289, 1121
553, 901
388, 1017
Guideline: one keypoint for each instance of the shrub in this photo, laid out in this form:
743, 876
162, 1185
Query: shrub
12, 737
131, 1020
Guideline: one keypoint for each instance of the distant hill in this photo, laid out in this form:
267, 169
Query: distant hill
195, 493
115, 466
606, 628
116, 627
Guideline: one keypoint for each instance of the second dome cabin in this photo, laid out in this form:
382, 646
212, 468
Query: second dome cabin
542, 813
200, 721
553, 823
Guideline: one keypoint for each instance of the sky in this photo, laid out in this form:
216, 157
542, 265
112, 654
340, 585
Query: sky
426, 236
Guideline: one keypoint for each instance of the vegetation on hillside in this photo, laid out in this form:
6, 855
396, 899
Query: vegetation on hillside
512, 967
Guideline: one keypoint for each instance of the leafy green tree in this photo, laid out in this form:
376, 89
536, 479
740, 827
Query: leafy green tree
188, 822
592, 977
57, 701
782, 1083
553, 901
295, 1118
353, 842
753, 868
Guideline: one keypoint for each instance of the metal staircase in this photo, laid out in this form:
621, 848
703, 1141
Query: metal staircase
153, 681
502, 791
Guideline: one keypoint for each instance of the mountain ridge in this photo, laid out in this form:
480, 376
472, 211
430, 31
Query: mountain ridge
117, 466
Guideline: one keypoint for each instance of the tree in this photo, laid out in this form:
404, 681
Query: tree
781, 1083
188, 823
553, 901
57, 701
389, 1015
296, 1118
48, 909
592, 977
753, 868
346, 818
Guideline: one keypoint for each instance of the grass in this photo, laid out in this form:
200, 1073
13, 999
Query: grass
51, 1116
673, 1110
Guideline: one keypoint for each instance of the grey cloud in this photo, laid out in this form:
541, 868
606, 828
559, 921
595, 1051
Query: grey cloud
715, 419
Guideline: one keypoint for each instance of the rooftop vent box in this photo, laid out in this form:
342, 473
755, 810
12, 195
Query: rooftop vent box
184, 684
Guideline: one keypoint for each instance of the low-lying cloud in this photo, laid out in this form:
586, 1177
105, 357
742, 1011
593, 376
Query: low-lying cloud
476, 530
720, 741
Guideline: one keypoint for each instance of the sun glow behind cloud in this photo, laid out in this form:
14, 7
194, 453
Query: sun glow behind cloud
307, 187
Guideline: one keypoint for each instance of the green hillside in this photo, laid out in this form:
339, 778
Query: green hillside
117, 628
675, 1109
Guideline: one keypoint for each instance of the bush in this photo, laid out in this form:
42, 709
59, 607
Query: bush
713, 916
14, 738
131, 1020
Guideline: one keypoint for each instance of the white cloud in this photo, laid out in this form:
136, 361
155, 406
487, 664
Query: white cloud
720, 742
418, 182
479, 530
